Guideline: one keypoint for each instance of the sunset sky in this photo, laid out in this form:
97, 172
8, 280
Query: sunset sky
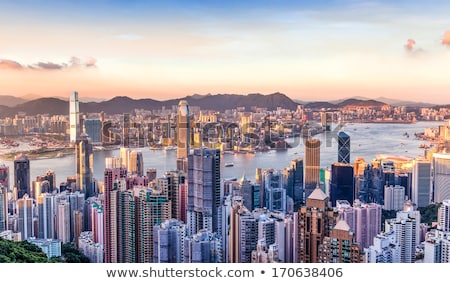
309, 50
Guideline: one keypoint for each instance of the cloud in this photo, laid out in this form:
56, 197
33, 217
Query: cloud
74, 62
6, 64
446, 38
409, 46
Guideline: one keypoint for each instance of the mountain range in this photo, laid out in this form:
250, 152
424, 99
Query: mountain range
9, 105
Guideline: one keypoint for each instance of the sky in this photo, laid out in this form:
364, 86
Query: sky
308, 50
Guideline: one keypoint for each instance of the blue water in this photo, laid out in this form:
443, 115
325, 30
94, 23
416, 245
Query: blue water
367, 140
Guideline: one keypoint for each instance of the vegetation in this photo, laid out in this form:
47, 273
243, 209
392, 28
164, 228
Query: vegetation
428, 214
71, 254
21, 252
25, 252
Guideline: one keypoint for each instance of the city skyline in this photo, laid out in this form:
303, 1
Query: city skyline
321, 50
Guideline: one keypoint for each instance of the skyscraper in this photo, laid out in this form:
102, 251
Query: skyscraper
169, 242
421, 182
25, 208
183, 134
47, 216
152, 208
342, 187
22, 175
126, 224
343, 148
203, 190
63, 221
441, 177
312, 165
84, 155
3, 208
203, 247
93, 128
4, 176
136, 163
74, 117
315, 221
126, 124
110, 212
340, 246
296, 169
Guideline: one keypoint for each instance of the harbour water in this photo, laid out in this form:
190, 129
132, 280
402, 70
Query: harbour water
367, 140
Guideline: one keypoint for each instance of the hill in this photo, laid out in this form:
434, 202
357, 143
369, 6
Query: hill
123, 104
21, 252
10, 101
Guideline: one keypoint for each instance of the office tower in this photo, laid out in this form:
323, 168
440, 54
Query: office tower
294, 182
421, 182
25, 208
93, 128
203, 190
394, 197
84, 155
126, 124
385, 249
124, 156
38, 187
203, 247
183, 135
275, 193
441, 177
312, 165
4, 176
63, 221
3, 208
136, 163
168, 242
340, 246
343, 148
152, 208
342, 187
47, 215
315, 221
50, 176
22, 175
74, 117
90, 248
183, 200
243, 233
76, 202
126, 225
110, 212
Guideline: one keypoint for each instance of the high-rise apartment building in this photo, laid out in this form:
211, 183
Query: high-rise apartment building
22, 175
169, 242
315, 221
47, 216
74, 117
110, 212
63, 221
203, 190
3, 208
203, 247
25, 209
312, 165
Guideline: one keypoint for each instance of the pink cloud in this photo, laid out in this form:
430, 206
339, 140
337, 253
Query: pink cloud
446, 38
6, 64
410, 44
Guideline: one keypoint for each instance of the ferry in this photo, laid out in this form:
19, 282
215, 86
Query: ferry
229, 164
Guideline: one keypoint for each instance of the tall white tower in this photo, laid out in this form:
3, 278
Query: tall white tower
74, 117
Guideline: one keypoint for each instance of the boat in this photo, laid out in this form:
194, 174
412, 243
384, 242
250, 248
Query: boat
229, 164
170, 147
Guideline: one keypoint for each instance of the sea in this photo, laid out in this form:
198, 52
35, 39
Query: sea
366, 140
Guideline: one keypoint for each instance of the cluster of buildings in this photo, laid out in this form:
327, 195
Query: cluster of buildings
302, 213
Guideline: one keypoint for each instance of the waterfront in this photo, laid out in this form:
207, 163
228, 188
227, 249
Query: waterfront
367, 140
